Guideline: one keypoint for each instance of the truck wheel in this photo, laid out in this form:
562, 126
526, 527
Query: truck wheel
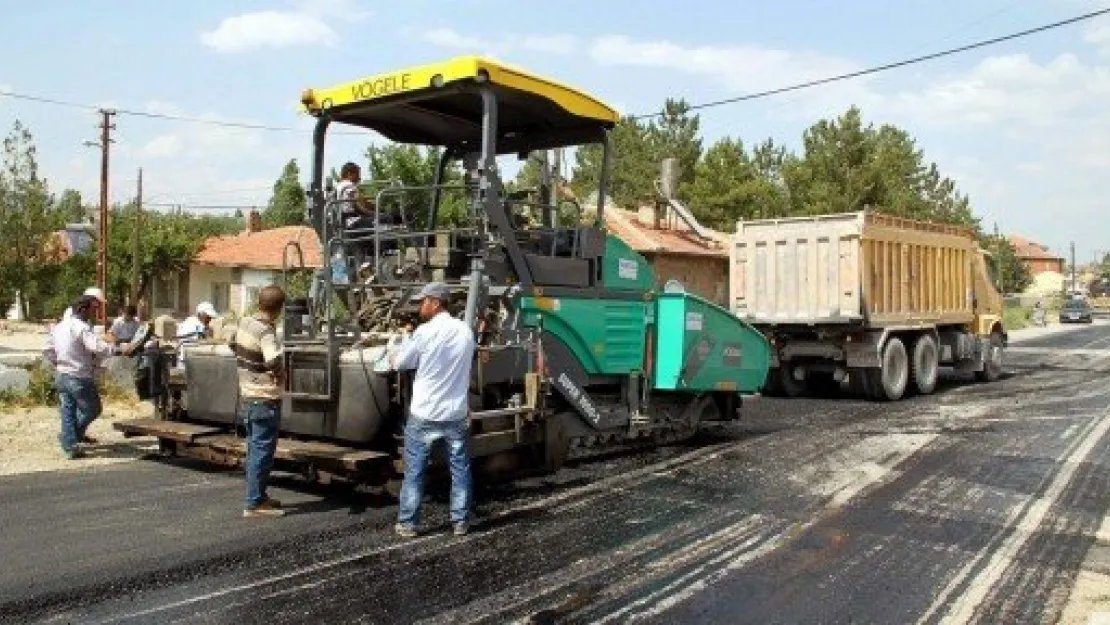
992, 365
791, 386
925, 364
888, 383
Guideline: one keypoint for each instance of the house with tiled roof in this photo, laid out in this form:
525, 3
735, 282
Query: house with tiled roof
1036, 257
674, 250
229, 270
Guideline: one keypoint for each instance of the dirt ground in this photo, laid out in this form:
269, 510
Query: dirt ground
29, 440
29, 436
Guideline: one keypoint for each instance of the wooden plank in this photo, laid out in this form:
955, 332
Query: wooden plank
172, 430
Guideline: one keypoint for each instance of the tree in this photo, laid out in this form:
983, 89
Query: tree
69, 208
288, 202
169, 243
414, 166
675, 135
630, 180
25, 221
1013, 275
846, 165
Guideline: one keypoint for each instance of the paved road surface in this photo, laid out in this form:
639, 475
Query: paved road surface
976, 504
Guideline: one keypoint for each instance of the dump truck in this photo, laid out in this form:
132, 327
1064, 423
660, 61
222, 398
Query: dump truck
578, 352
867, 301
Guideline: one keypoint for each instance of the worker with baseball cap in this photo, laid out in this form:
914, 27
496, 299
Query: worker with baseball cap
197, 326
441, 350
92, 291
76, 351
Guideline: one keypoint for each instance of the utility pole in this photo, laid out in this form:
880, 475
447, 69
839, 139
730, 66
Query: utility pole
1073, 284
135, 264
106, 128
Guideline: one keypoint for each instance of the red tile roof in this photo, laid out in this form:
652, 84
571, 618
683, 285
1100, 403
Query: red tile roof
674, 237
1027, 249
262, 249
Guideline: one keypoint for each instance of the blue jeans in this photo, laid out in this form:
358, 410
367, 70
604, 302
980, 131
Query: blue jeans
420, 435
79, 405
261, 419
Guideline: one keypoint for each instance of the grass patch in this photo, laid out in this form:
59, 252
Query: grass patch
1016, 317
41, 390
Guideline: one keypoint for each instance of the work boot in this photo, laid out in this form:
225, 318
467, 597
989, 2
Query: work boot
405, 531
461, 528
276, 503
264, 509
75, 454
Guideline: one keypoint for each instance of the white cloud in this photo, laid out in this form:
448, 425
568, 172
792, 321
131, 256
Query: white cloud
1014, 89
308, 23
448, 38
347, 10
559, 44
1098, 35
162, 146
269, 29
551, 44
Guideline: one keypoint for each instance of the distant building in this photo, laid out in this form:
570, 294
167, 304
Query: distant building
674, 251
229, 270
1036, 257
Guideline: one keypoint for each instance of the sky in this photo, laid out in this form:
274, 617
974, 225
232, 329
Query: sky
1023, 127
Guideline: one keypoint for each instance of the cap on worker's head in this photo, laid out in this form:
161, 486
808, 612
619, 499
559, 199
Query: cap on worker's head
207, 309
92, 291
438, 290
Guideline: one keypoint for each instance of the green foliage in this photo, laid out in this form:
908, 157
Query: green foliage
288, 202
26, 218
70, 209
675, 135
414, 166
168, 243
1016, 317
633, 166
845, 165
1012, 274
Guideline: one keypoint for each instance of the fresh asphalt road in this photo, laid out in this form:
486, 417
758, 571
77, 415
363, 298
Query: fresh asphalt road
976, 504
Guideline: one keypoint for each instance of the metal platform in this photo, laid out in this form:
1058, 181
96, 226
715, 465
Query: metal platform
219, 440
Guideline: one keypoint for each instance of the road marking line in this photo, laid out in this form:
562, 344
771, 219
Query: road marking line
1028, 517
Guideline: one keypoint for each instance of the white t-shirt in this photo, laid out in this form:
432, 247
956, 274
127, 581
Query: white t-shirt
442, 352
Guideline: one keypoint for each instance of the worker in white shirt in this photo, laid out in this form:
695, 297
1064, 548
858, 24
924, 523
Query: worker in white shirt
197, 326
76, 351
442, 352
91, 291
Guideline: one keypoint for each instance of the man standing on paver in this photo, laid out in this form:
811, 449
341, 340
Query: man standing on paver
76, 351
259, 361
442, 352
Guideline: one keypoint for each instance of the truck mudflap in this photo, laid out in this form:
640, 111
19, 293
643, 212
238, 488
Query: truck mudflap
218, 444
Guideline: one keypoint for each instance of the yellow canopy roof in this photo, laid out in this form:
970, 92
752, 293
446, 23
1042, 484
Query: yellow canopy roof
440, 104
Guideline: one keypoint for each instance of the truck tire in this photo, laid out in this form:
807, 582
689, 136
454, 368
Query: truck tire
925, 364
992, 365
791, 387
889, 382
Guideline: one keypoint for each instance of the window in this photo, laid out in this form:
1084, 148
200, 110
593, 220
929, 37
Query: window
221, 295
165, 291
250, 304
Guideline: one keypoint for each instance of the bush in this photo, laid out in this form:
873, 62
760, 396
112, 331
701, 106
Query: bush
1016, 317
42, 392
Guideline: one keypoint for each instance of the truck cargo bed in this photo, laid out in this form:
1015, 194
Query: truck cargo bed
855, 268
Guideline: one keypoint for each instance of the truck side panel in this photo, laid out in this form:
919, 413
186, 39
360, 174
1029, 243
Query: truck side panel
799, 270
866, 268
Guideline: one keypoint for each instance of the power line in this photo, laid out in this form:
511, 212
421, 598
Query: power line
888, 66
163, 116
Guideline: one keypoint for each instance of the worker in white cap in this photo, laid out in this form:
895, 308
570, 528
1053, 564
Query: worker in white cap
197, 326
92, 291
